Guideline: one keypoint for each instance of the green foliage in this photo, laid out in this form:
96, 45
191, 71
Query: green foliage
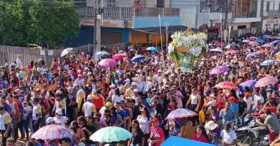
37, 21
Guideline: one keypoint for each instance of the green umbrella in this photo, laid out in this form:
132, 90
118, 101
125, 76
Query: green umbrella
110, 134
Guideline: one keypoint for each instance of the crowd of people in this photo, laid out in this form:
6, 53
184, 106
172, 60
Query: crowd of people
81, 95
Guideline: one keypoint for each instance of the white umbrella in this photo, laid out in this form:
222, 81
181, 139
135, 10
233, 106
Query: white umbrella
218, 49
245, 41
66, 51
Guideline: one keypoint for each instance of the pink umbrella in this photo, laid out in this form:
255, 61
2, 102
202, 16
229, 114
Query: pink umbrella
267, 45
52, 132
268, 80
232, 52
119, 56
107, 62
219, 44
254, 43
262, 51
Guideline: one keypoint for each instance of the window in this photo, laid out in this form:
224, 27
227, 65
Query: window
111, 3
267, 6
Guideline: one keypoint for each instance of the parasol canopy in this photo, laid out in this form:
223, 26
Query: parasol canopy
107, 62
268, 80
66, 51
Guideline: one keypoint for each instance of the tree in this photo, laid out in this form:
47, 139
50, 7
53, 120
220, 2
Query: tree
38, 21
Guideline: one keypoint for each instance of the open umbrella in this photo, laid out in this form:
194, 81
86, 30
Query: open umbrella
269, 62
226, 85
152, 49
179, 141
266, 37
246, 41
275, 42
268, 80
181, 113
254, 43
260, 40
66, 51
110, 134
137, 58
248, 83
253, 54
219, 70
232, 52
107, 62
52, 132
218, 49
102, 54
119, 56
267, 45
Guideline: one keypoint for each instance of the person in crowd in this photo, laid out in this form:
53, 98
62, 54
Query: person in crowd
228, 136
227, 115
187, 130
138, 137
200, 134
157, 134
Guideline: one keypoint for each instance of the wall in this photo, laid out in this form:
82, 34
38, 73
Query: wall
188, 16
138, 37
273, 5
87, 32
144, 22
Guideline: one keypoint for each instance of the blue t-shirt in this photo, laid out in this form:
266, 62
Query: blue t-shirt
234, 107
122, 113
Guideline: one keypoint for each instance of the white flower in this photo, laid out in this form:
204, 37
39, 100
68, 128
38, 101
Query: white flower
170, 49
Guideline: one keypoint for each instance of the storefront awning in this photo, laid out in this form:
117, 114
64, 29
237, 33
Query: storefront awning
156, 30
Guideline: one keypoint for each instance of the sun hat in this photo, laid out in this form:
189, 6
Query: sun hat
211, 125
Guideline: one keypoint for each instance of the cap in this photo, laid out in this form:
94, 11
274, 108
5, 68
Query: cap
154, 120
59, 111
134, 84
231, 98
108, 104
247, 94
89, 97
135, 90
49, 120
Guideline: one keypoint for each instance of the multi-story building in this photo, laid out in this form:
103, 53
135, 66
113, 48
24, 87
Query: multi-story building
124, 21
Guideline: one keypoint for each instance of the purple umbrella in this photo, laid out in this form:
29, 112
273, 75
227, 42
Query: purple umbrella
248, 83
52, 132
107, 62
219, 70
268, 80
253, 54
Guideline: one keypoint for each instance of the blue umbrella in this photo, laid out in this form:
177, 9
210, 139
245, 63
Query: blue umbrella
260, 40
178, 141
253, 54
152, 49
275, 42
266, 37
102, 54
269, 62
137, 58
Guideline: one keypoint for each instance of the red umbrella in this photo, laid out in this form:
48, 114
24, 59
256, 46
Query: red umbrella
262, 51
226, 85
219, 44
119, 56
232, 52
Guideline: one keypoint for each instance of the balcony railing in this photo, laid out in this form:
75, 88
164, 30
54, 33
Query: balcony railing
273, 13
215, 6
127, 13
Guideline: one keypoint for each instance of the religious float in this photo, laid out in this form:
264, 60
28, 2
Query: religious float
187, 47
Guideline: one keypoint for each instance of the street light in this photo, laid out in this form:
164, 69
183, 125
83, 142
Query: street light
166, 24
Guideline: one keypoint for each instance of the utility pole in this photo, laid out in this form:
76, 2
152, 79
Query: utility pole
97, 29
226, 18
262, 5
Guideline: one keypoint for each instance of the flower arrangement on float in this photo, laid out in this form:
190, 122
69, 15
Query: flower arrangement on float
186, 47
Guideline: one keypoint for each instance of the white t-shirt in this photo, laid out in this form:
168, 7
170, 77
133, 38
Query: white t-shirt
61, 120
249, 102
89, 108
36, 111
258, 98
144, 124
27, 109
228, 137
116, 98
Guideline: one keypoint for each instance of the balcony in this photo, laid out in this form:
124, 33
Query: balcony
273, 13
214, 6
127, 13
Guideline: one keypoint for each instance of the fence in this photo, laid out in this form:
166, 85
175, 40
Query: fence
9, 54
126, 13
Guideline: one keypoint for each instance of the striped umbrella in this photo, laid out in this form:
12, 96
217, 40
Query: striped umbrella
268, 80
180, 113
